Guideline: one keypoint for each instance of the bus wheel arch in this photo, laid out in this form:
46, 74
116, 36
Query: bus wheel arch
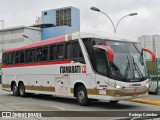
21, 89
80, 92
14, 88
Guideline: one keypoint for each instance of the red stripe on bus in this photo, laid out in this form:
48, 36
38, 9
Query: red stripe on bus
37, 64
41, 43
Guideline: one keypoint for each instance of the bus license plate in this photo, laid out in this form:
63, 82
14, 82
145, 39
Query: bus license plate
134, 95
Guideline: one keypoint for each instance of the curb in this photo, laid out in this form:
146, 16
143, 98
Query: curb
146, 101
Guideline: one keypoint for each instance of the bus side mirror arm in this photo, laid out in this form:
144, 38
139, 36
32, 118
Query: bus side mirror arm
151, 52
108, 50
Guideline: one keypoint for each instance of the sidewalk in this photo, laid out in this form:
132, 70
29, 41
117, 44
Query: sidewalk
150, 99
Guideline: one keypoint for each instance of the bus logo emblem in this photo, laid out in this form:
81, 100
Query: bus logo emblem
84, 69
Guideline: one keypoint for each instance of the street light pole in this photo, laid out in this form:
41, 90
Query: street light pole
2, 50
2, 21
25, 36
98, 10
115, 28
132, 14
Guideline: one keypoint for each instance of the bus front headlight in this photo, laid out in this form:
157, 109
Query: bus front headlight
118, 86
147, 85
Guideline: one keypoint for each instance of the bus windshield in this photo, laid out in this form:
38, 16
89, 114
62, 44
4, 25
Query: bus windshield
128, 64
128, 61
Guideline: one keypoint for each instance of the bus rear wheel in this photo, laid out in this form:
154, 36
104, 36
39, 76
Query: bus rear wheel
15, 89
81, 95
22, 90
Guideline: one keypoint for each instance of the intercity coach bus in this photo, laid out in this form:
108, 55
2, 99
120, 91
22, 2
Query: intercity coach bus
82, 65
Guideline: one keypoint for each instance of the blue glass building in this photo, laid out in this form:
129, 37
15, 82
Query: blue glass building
59, 22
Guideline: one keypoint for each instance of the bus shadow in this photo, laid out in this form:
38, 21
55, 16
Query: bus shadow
98, 104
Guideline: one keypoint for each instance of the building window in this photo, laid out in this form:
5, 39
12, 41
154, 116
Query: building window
63, 17
45, 13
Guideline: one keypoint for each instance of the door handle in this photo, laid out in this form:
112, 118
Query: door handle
98, 82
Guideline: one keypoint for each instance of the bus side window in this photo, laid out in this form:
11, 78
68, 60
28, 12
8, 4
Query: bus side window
77, 52
53, 52
11, 58
68, 50
19, 57
60, 50
100, 65
45, 54
27, 56
5, 58
33, 55
39, 54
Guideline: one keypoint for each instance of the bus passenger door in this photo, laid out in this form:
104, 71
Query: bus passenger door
62, 84
101, 69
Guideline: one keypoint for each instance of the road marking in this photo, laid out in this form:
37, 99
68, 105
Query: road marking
146, 101
58, 107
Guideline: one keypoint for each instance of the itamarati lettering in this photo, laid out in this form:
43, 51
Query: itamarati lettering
70, 69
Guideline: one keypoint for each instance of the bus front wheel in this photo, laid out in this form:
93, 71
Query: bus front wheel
22, 90
15, 89
81, 95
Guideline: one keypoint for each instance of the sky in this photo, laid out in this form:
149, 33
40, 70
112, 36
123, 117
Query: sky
24, 12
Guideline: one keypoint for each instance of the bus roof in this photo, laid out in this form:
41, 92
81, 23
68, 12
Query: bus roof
73, 36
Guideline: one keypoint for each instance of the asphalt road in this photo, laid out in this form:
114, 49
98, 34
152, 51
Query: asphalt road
8, 102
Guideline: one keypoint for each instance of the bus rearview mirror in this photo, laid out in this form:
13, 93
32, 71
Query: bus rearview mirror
151, 52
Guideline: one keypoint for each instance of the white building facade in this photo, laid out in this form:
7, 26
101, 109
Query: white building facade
151, 42
14, 37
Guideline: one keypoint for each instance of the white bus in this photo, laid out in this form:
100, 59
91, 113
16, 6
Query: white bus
82, 65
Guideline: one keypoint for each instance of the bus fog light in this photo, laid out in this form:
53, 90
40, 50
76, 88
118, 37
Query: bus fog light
147, 85
118, 86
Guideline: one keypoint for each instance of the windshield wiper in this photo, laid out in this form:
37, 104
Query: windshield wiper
128, 67
137, 68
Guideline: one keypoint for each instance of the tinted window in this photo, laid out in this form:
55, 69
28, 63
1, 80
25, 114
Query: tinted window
68, 50
39, 54
53, 52
30, 55
5, 58
19, 57
59, 53
100, 65
11, 58
45, 54
77, 53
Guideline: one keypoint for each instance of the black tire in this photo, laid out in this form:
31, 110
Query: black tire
157, 91
15, 89
81, 95
22, 92
113, 102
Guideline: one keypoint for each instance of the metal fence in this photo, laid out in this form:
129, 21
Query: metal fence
153, 69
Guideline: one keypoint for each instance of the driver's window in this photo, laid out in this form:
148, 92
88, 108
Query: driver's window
100, 65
